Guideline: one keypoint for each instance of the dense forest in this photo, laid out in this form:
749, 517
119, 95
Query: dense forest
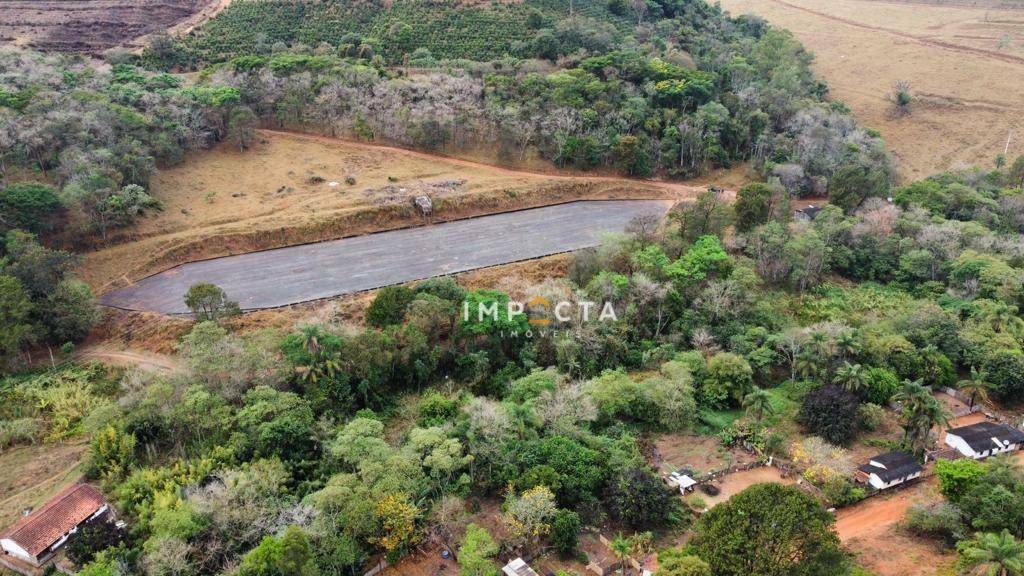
313, 449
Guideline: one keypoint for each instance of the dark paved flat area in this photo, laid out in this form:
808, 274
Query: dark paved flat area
301, 273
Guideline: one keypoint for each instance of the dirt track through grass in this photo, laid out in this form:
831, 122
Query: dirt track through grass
284, 276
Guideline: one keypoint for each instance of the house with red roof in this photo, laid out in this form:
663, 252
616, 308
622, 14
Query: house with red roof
36, 537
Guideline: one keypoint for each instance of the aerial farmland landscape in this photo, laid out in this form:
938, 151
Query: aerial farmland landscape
516, 288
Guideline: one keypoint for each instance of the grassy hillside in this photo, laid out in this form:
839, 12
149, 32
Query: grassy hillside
447, 29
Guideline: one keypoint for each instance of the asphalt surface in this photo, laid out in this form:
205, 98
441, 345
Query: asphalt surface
283, 276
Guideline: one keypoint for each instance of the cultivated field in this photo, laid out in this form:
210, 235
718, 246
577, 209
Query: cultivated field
92, 26
964, 61
290, 189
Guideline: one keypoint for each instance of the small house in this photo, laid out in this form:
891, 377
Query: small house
682, 480
518, 567
984, 439
37, 536
890, 469
807, 213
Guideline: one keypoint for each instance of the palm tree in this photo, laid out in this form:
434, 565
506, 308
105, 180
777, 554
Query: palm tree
991, 554
977, 388
1003, 317
849, 344
921, 413
758, 404
807, 365
852, 377
621, 548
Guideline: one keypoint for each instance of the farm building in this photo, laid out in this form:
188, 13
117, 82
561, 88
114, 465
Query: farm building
984, 439
36, 537
890, 469
518, 567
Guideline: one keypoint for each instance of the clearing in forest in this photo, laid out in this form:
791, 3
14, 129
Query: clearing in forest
292, 189
93, 26
964, 61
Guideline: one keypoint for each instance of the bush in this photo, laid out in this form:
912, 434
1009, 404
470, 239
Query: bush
388, 308
940, 520
882, 384
437, 409
870, 416
841, 492
830, 412
26, 205
565, 531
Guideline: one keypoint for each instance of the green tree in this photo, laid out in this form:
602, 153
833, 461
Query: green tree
758, 404
852, 377
26, 205
758, 203
976, 387
15, 317
992, 554
709, 215
853, 183
769, 530
958, 477
476, 555
242, 127
729, 379
210, 302
565, 531
389, 306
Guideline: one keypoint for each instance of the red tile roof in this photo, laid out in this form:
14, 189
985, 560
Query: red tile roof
39, 530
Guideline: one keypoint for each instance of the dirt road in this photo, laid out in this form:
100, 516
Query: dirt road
146, 361
274, 278
881, 512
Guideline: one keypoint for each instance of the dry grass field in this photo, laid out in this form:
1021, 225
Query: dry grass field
964, 60
29, 475
290, 189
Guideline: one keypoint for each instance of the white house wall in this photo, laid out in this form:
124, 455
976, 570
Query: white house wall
12, 548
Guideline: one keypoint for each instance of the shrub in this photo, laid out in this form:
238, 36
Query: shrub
830, 412
437, 409
882, 384
388, 308
940, 520
870, 416
958, 477
565, 531
841, 492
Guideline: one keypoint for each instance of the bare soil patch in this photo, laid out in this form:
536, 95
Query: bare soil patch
963, 59
735, 483
702, 454
93, 26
